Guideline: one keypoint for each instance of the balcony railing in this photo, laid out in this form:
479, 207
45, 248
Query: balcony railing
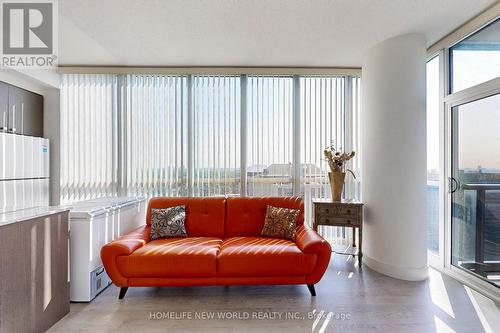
476, 229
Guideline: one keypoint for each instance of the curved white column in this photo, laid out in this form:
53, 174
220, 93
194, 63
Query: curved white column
394, 157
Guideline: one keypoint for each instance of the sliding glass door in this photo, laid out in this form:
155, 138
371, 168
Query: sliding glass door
475, 187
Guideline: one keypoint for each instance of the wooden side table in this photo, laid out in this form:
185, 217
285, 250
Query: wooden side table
341, 214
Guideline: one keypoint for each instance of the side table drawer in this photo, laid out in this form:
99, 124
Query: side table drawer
338, 221
338, 210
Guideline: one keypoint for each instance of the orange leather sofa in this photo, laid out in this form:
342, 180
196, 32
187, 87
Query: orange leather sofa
223, 247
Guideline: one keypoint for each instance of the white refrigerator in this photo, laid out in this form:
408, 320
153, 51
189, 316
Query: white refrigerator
24, 172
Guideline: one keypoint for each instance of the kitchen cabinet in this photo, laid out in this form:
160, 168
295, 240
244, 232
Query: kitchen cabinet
4, 106
16, 110
33, 114
21, 111
34, 284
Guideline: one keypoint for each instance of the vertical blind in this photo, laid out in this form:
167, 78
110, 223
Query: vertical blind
216, 135
322, 123
154, 152
203, 135
354, 185
269, 136
88, 136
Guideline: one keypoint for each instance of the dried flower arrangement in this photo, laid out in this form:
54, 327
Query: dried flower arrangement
337, 159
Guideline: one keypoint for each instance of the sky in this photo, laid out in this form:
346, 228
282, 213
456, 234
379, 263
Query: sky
479, 133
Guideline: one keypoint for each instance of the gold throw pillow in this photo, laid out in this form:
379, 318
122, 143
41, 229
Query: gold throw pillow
280, 222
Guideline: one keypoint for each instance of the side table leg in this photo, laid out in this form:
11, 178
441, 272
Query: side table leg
353, 236
360, 251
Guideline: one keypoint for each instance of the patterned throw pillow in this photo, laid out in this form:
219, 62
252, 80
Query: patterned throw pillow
168, 222
280, 222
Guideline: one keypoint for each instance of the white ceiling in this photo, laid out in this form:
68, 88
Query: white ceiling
246, 32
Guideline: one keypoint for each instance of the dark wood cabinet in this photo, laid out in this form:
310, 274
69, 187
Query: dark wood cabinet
21, 111
4, 106
33, 115
34, 286
16, 110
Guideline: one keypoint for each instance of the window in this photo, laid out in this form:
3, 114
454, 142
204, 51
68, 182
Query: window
270, 140
462, 140
433, 106
154, 131
322, 122
475, 212
476, 59
89, 148
216, 135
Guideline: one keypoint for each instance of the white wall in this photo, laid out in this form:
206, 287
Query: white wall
45, 83
394, 157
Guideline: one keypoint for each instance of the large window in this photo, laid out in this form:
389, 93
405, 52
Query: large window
269, 136
476, 59
322, 123
476, 192
154, 122
89, 147
216, 135
473, 127
203, 135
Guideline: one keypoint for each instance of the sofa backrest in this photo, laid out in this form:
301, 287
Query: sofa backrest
204, 216
245, 216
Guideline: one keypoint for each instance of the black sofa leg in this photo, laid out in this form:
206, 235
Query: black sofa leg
311, 289
123, 291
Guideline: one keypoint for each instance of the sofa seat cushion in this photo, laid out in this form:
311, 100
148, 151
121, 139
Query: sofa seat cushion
173, 257
262, 256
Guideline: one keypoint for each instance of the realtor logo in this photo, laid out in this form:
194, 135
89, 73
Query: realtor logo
28, 33
27, 28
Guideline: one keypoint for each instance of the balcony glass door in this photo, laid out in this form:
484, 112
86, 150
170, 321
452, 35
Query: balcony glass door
475, 187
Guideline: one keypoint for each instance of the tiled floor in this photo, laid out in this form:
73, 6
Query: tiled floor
349, 300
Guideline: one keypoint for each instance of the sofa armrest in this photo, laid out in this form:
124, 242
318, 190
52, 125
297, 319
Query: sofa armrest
308, 241
123, 246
